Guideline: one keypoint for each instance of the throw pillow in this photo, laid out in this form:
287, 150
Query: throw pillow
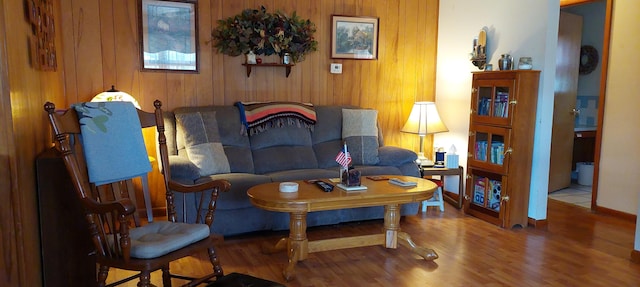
202, 142
360, 132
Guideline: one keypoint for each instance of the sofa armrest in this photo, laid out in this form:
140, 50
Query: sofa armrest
183, 169
395, 156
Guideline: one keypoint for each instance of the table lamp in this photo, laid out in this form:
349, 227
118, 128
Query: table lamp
114, 95
424, 120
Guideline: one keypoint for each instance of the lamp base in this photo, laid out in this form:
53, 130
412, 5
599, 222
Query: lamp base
423, 161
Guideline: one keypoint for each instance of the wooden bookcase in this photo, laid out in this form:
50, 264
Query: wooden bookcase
503, 114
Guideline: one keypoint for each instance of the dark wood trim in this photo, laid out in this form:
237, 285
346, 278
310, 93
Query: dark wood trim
606, 40
615, 213
567, 3
541, 224
635, 256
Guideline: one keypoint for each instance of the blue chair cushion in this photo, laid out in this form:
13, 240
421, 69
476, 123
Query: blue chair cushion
162, 237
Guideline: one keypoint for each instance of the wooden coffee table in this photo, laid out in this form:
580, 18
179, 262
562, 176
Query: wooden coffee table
311, 198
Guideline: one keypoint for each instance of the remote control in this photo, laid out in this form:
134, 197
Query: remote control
324, 186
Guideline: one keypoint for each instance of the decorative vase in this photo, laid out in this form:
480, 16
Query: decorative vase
505, 62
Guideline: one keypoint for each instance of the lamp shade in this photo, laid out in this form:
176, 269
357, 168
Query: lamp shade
114, 95
424, 119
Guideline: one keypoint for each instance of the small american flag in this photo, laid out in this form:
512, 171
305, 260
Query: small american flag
344, 158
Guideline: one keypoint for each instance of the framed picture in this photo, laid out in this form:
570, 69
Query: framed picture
354, 38
169, 30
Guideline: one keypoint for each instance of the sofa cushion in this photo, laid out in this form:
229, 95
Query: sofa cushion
360, 132
236, 146
201, 137
302, 174
326, 153
284, 148
281, 158
237, 196
183, 169
366, 170
395, 156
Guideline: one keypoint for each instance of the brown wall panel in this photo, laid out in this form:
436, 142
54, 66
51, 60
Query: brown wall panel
23, 135
106, 52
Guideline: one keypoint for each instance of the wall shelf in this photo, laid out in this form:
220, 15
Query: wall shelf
287, 66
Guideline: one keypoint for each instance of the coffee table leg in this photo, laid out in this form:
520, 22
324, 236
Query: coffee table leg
298, 245
281, 245
426, 253
393, 235
391, 225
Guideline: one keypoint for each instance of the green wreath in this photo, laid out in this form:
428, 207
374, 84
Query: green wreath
588, 59
265, 33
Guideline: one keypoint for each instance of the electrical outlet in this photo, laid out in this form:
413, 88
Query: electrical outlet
336, 68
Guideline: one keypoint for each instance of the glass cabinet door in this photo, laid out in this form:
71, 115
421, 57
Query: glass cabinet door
489, 148
486, 195
493, 102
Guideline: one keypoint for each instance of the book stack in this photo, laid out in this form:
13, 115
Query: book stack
501, 105
497, 152
484, 106
487, 193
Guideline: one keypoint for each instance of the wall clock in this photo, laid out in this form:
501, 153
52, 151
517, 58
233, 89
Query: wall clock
588, 59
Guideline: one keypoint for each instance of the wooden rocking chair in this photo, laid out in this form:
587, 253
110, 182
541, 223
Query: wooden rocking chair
120, 240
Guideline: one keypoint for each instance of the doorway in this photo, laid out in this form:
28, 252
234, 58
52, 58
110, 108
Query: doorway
583, 141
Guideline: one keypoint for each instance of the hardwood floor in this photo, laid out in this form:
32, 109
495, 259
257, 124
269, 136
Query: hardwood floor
579, 248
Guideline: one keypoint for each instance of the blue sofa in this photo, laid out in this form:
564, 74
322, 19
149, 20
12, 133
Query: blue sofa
277, 154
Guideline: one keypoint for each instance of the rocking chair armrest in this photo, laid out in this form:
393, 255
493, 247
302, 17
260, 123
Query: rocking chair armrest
124, 206
222, 185
214, 186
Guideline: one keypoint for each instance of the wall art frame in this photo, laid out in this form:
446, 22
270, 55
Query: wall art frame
354, 37
168, 35
42, 46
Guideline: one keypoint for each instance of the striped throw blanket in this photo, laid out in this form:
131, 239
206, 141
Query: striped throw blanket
257, 117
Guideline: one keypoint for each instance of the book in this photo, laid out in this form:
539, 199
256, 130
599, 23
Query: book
351, 188
494, 194
400, 182
479, 191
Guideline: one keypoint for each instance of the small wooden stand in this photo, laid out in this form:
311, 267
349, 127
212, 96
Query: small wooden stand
455, 199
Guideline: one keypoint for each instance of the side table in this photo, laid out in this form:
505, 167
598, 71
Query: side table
453, 198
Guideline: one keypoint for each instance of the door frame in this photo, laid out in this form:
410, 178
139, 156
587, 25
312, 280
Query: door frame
606, 40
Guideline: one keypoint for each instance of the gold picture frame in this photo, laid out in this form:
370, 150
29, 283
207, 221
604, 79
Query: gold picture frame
354, 37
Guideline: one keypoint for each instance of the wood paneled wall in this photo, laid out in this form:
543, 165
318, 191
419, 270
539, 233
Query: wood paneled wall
97, 43
24, 133
102, 49
98, 54
104, 52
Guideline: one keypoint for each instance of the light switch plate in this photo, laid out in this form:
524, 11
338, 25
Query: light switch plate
336, 68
